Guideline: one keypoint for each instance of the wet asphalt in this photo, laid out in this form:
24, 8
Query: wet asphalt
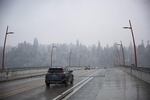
35, 88
108, 84
113, 84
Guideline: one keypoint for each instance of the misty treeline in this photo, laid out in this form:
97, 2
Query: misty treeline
36, 55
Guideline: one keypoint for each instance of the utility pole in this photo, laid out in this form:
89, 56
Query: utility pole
3, 56
52, 55
135, 54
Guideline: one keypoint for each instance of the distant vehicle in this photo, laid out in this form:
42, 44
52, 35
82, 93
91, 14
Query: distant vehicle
87, 68
59, 76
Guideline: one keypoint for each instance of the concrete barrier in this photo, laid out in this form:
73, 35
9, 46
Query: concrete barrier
8, 75
139, 72
27, 72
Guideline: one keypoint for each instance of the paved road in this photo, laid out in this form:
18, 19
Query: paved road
108, 84
113, 84
35, 89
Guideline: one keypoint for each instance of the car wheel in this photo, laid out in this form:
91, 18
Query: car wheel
47, 84
71, 82
66, 83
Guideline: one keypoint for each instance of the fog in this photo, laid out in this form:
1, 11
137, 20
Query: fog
65, 21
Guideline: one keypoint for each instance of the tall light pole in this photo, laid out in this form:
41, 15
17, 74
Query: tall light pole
122, 51
118, 55
52, 55
79, 60
135, 55
70, 53
3, 56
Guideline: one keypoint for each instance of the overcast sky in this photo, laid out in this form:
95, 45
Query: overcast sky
65, 21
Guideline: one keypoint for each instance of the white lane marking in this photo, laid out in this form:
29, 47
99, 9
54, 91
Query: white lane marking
62, 95
79, 87
59, 96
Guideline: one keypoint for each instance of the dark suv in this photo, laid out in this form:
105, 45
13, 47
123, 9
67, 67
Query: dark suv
59, 76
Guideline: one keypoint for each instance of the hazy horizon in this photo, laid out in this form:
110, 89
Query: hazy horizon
66, 21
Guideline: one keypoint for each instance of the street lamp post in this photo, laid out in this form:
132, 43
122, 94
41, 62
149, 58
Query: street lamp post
122, 51
118, 55
135, 55
80, 60
3, 56
70, 53
52, 55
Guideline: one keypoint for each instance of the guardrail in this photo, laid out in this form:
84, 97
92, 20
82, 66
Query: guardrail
24, 68
143, 69
20, 73
25, 72
142, 73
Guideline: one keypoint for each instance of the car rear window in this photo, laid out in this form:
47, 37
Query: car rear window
55, 70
